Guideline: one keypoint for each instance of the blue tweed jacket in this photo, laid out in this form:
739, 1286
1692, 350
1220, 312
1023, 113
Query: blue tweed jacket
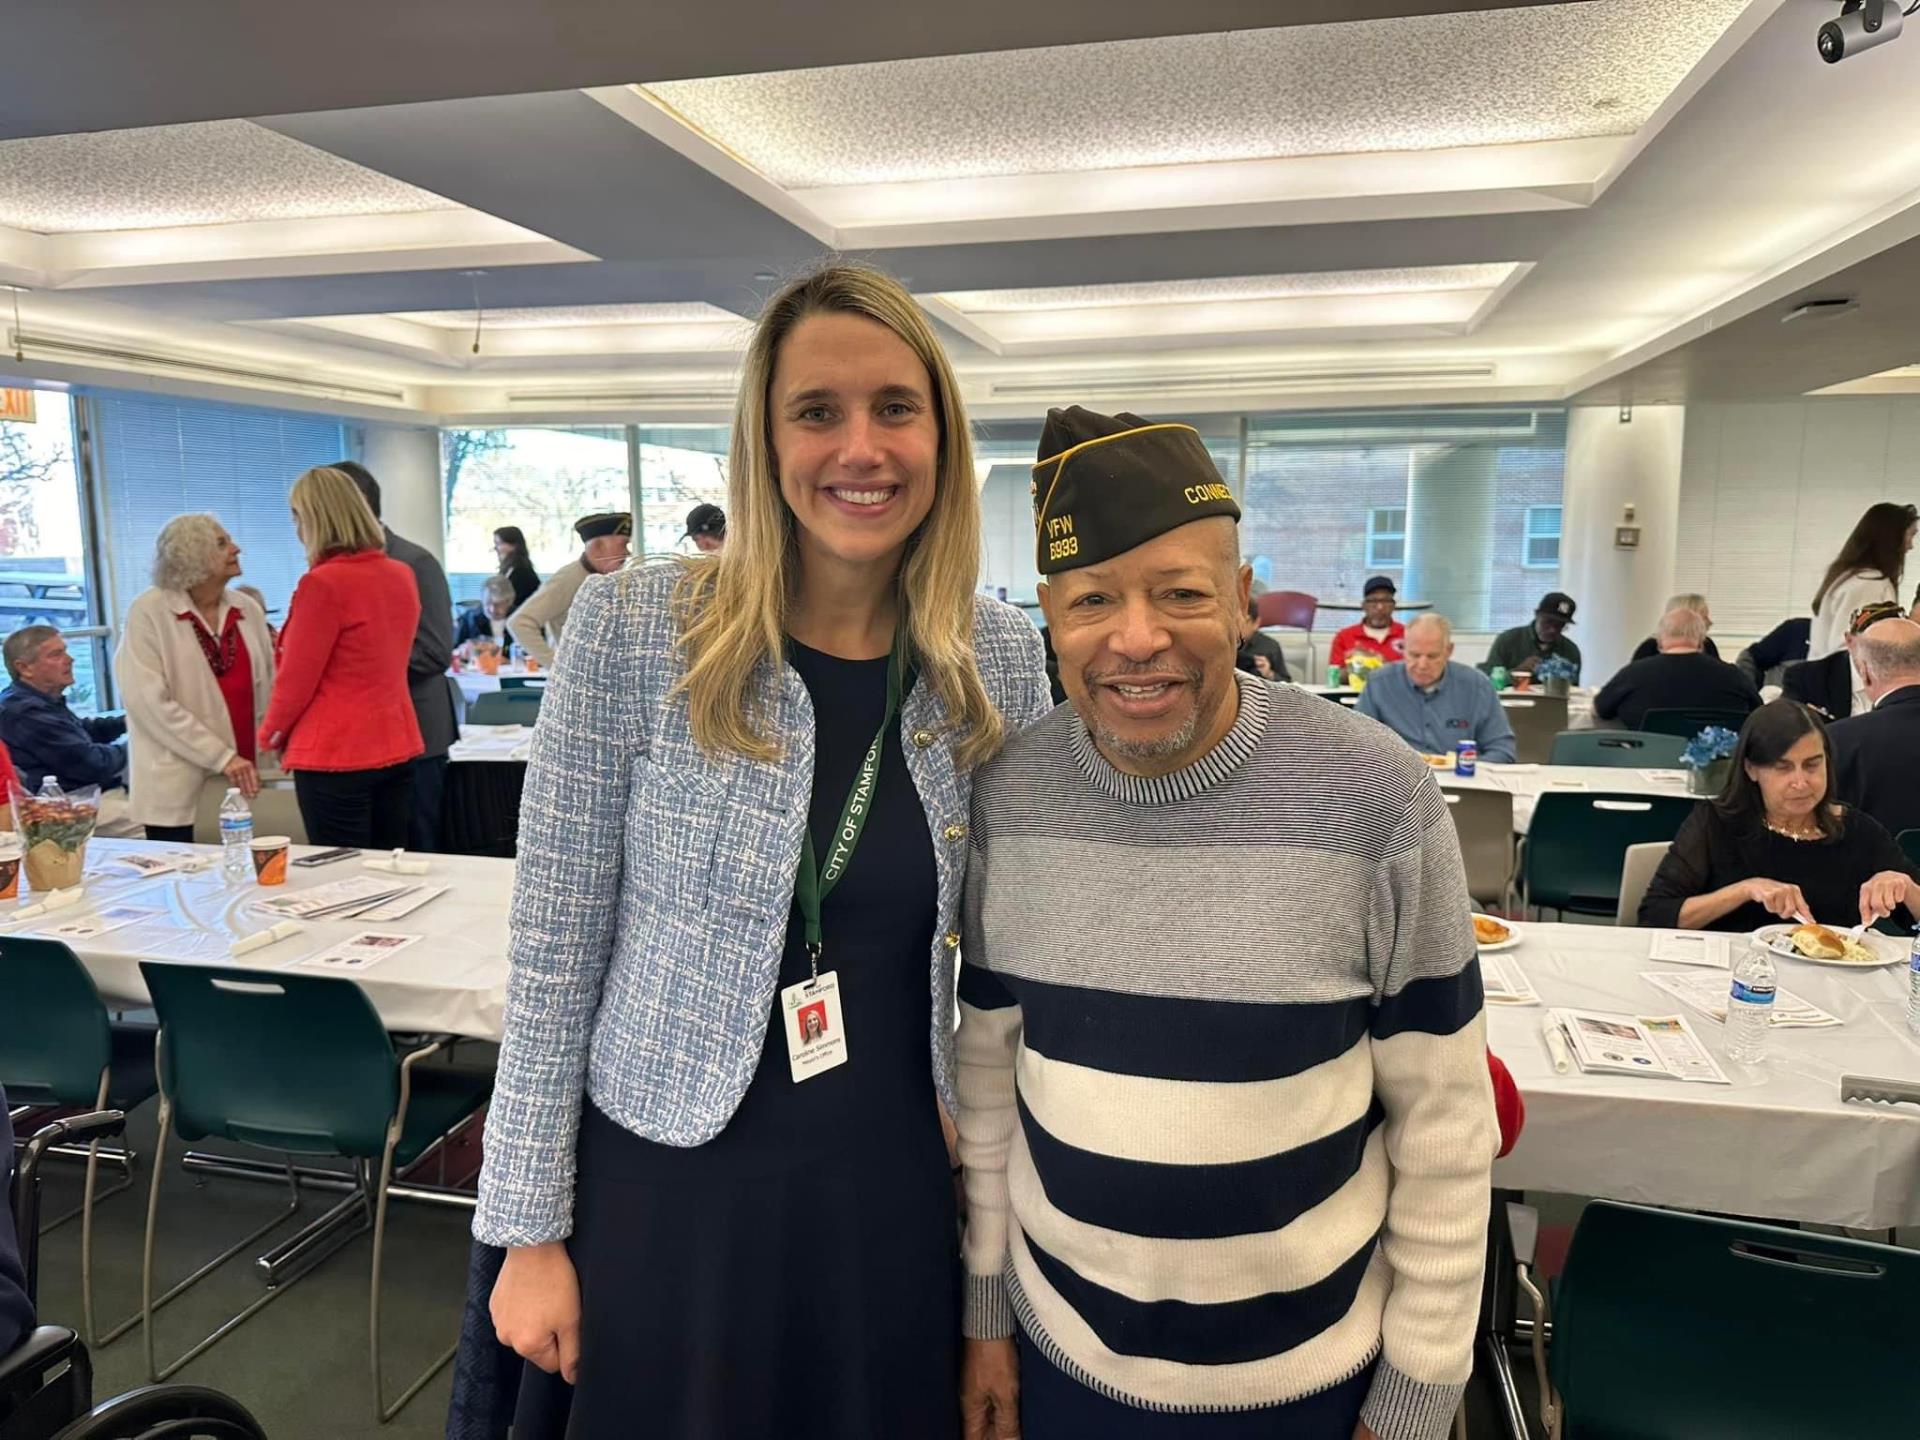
654, 883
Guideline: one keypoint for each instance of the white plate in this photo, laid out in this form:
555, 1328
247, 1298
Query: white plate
1507, 944
1891, 951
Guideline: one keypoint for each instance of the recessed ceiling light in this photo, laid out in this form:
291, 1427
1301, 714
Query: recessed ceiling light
765, 277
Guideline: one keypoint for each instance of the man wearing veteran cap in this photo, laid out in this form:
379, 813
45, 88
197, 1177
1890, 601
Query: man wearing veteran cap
1227, 1171
537, 624
1524, 646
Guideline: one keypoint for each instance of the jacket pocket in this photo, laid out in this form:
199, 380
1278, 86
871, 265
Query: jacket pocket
673, 823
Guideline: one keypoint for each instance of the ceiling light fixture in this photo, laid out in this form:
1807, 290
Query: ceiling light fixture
1821, 309
1862, 25
80, 350
478, 316
665, 396
19, 354
1235, 382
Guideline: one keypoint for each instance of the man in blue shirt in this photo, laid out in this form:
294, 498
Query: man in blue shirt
41, 733
1434, 704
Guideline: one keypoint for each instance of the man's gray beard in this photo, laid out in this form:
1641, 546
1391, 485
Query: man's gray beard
1150, 749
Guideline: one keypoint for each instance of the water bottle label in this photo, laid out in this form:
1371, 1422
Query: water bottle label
1748, 994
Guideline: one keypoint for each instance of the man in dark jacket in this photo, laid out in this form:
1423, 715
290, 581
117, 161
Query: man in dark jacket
1830, 685
41, 733
1681, 676
1876, 756
16, 1313
426, 668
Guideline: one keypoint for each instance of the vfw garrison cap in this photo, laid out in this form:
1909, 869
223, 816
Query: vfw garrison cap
1106, 483
611, 522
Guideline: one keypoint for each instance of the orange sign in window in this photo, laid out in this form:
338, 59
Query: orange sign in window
16, 405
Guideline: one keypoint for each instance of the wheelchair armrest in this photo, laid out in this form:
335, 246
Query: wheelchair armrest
74, 1130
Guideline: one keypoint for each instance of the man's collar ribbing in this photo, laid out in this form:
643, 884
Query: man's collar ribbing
1234, 749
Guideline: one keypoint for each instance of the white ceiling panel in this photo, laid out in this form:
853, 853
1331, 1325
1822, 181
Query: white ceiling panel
572, 316
212, 173
1242, 287
1431, 82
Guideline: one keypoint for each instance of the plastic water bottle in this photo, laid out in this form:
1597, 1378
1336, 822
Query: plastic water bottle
1750, 1007
236, 838
1913, 986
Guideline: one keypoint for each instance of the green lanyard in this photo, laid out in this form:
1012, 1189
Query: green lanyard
815, 881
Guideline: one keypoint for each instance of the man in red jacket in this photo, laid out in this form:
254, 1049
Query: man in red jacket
1378, 633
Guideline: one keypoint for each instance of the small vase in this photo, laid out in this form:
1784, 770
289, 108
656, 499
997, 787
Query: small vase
1710, 779
1558, 685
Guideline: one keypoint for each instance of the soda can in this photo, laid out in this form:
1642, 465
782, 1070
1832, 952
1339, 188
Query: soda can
1501, 679
1466, 757
1337, 676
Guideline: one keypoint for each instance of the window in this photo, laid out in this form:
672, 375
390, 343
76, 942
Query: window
537, 478
43, 569
1542, 538
681, 466
1386, 538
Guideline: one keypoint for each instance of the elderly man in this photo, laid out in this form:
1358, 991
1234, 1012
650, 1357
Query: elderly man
1680, 676
1519, 650
707, 528
41, 733
537, 624
1876, 756
1690, 601
1433, 703
1226, 1166
1833, 684
488, 619
426, 666
1377, 633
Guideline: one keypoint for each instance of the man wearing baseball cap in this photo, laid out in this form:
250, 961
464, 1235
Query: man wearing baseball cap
605, 541
1834, 685
1524, 646
1227, 1168
1377, 633
707, 528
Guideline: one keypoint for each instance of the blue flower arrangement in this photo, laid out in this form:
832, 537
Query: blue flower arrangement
1716, 742
1555, 667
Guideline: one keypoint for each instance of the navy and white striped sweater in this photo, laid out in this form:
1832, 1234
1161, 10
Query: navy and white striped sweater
1224, 1103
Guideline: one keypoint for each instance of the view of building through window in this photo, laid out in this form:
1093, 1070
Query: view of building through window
43, 577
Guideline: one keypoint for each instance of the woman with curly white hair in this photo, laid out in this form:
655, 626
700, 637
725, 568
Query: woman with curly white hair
195, 668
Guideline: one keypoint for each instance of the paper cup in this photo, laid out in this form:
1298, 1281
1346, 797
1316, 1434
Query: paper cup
270, 859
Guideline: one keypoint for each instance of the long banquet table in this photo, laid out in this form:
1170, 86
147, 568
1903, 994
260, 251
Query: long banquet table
451, 981
1527, 783
1778, 1141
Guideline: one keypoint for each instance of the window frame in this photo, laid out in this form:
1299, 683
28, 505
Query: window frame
1528, 536
1376, 536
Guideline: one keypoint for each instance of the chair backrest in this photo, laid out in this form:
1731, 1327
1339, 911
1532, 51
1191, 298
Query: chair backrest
506, 707
54, 1040
1636, 873
1688, 722
293, 1062
1484, 821
1536, 719
459, 699
1653, 1304
1617, 749
1292, 608
1577, 845
276, 811
523, 682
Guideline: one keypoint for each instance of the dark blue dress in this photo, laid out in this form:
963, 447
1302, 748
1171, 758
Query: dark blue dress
796, 1276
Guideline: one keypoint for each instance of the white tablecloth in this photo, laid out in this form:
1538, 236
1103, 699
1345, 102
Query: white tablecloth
452, 981
474, 682
1527, 783
1776, 1142
492, 742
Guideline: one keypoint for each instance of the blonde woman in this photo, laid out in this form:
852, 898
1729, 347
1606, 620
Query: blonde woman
341, 715
195, 666
723, 1185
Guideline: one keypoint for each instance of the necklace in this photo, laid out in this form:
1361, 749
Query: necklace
1798, 836
220, 653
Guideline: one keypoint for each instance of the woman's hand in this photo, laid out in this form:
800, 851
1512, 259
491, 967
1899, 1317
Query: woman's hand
1883, 894
536, 1308
242, 775
1777, 898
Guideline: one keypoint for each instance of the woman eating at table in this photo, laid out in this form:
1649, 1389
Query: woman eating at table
195, 668
1774, 847
715, 1151
341, 714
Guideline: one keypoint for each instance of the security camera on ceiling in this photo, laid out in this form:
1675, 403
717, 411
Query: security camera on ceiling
1862, 25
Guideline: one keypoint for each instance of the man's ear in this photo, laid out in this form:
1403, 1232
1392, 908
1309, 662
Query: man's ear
1045, 592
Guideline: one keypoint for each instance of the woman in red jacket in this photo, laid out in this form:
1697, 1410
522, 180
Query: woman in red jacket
340, 715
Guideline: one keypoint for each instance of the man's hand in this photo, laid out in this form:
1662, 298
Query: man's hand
1263, 667
1524, 665
990, 1391
1361, 1432
243, 777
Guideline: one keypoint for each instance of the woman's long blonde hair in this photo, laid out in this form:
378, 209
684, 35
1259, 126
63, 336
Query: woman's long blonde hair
334, 515
732, 607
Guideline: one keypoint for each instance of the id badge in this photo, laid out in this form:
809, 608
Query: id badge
810, 1015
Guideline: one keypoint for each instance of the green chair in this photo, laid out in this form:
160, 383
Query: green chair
1669, 1326
298, 1064
1910, 844
1618, 749
523, 682
60, 1049
506, 707
1689, 722
1577, 844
